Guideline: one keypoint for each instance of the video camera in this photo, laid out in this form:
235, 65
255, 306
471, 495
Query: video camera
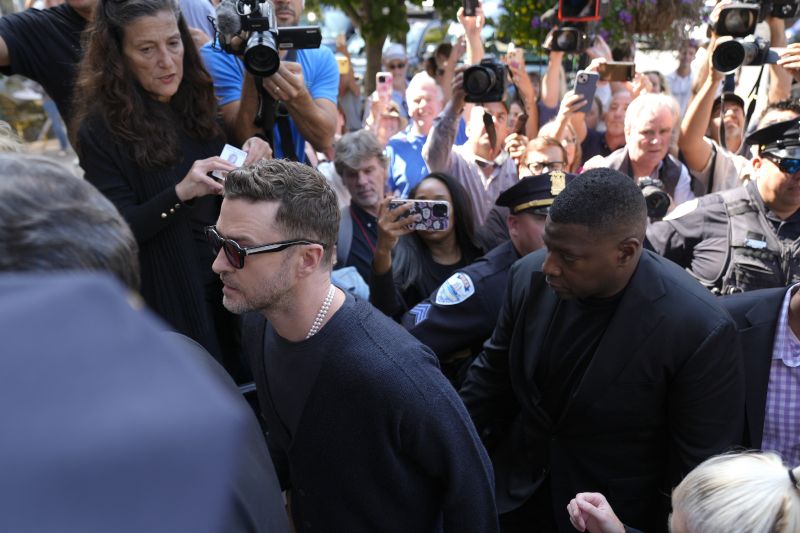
486, 81
740, 19
574, 37
730, 55
248, 28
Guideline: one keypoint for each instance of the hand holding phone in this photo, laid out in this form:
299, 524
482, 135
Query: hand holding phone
586, 85
383, 85
434, 215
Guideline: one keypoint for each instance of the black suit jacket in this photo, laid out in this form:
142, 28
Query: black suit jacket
663, 392
756, 314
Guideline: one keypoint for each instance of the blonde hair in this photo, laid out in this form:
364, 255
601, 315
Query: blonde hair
743, 492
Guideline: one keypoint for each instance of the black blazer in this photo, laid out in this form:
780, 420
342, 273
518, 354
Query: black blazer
756, 314
664, 391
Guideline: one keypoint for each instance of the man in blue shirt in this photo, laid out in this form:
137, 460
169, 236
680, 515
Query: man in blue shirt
309, 87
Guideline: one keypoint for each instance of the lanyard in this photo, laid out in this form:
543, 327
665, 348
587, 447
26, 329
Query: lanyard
371, 245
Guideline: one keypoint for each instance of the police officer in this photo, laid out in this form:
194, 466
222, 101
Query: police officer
748, 237
456, 319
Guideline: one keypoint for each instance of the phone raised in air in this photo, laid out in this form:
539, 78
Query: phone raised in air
469, 7
383, 85
617, 71
586, 85
434, 214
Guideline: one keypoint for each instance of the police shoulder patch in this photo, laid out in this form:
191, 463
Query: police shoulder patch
684, 209
455, 290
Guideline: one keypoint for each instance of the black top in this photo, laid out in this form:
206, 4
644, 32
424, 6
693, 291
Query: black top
365, 237
576, 329
177, 281
394, 295
291, 368
594, 144
45, 46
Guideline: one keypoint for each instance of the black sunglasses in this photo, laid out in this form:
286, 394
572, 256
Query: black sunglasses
236, 254
786, 164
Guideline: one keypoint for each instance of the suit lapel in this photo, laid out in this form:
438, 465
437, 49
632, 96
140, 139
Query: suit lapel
757, 343
632, 324
529, 333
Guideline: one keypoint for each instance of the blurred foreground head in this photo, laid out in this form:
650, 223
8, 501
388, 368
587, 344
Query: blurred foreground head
51, 220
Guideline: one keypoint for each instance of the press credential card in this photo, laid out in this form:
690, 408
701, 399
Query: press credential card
232, 155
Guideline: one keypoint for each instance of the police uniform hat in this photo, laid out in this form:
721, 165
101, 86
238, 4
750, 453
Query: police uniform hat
534, 194
781, 138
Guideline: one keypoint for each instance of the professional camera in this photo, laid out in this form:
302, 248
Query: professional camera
248, 28
739, 19
569, 39
486, 81
655, 197
730, 55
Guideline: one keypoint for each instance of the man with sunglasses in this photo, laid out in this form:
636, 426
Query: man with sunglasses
744, 238
363, 428
394, 61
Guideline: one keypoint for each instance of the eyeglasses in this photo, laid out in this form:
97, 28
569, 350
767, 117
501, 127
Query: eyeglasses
396, 66
786, 164
567, 141
538, 167
236, 254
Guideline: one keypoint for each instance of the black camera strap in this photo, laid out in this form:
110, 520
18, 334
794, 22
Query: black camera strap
272, 113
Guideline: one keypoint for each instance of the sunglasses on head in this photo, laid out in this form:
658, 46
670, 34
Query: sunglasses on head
236, 254
786, 164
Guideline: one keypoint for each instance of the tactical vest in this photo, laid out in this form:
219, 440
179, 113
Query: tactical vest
757, 258
669, 173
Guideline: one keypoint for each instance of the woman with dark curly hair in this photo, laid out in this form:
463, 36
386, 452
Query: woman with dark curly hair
147, 137
409, 265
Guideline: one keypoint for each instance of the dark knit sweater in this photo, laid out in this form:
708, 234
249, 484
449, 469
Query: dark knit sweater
177, 281
384, 443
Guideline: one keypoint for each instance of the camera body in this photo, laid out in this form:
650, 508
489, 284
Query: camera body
656, 198
730, 55
569, 39
486, 81
248, 28
740, 18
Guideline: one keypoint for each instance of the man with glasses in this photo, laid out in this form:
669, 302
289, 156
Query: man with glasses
363, 428
456, 319
744, 238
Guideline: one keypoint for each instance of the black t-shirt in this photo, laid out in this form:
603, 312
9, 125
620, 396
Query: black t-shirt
575, 332
45, 46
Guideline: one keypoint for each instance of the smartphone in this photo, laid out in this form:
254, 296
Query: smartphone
617, 71
383, 85
514, 56
344, 64
520, 123
470, 6
586, 85
434, 214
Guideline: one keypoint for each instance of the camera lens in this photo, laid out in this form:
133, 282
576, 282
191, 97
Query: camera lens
439, 210
261, 55
567, 40
728, 56
478, 80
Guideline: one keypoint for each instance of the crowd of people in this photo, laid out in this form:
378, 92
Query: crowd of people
457, 314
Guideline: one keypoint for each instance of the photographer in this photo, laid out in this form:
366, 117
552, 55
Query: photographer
649, 122
308, 86
484, 168
45, 46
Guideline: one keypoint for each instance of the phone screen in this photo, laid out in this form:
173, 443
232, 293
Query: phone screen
617, 71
